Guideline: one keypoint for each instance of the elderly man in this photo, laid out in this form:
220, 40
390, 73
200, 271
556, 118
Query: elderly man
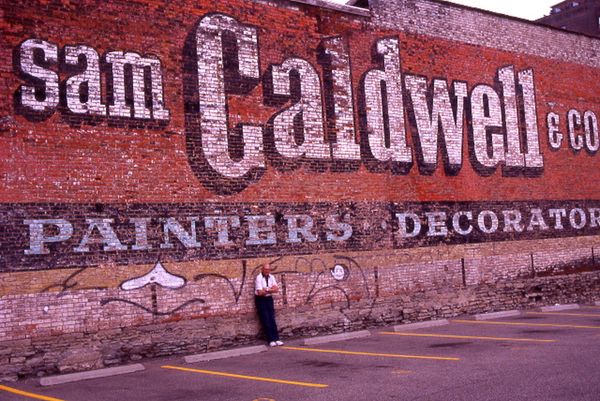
266, 286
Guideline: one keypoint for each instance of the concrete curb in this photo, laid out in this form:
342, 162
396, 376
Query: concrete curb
555, 308
92, 374
421, 325
336, 337
210, 356
497, 315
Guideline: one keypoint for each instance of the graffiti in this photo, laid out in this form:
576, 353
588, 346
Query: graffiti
343, 276
157, 276
237, 293
339, 272
69, 284
334, 277
160, 277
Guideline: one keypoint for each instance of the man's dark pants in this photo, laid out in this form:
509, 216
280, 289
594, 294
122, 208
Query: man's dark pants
266, 314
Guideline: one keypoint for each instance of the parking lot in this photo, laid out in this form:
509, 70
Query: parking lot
541, 356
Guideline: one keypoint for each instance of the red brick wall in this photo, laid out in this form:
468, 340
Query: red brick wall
117, 165
93, 201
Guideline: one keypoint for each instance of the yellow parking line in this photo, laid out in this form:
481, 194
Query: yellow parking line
235, 376
335, 351
533, 340
568, 326
564, 314
26, 394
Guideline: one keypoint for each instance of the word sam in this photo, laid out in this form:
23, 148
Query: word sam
135, 85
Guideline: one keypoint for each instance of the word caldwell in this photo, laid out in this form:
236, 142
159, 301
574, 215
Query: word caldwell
501, 119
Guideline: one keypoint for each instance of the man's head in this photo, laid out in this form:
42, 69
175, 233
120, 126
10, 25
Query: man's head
266, 269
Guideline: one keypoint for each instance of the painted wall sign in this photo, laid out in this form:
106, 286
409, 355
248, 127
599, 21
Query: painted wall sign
497, 123
438, 144
122, 234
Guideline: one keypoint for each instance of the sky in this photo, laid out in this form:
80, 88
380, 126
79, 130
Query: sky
526, 9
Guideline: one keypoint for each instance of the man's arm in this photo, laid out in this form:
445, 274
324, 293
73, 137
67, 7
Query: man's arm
274, 288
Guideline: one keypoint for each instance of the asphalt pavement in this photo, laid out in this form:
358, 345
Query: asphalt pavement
537, 356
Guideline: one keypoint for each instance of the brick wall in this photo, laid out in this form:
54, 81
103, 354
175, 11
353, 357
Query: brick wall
412, 161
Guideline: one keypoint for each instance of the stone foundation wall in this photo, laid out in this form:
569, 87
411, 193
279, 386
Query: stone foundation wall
103, 347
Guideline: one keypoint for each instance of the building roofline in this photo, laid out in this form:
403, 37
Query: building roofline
349, 7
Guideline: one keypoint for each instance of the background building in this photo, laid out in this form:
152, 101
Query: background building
581, 16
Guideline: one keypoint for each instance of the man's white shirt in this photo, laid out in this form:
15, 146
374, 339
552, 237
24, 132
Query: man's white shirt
261, 283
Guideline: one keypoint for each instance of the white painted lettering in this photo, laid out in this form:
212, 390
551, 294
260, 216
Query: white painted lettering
43, 98
108, 236
38, 239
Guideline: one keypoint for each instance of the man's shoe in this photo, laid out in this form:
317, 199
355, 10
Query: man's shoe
272, 344
279, 342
